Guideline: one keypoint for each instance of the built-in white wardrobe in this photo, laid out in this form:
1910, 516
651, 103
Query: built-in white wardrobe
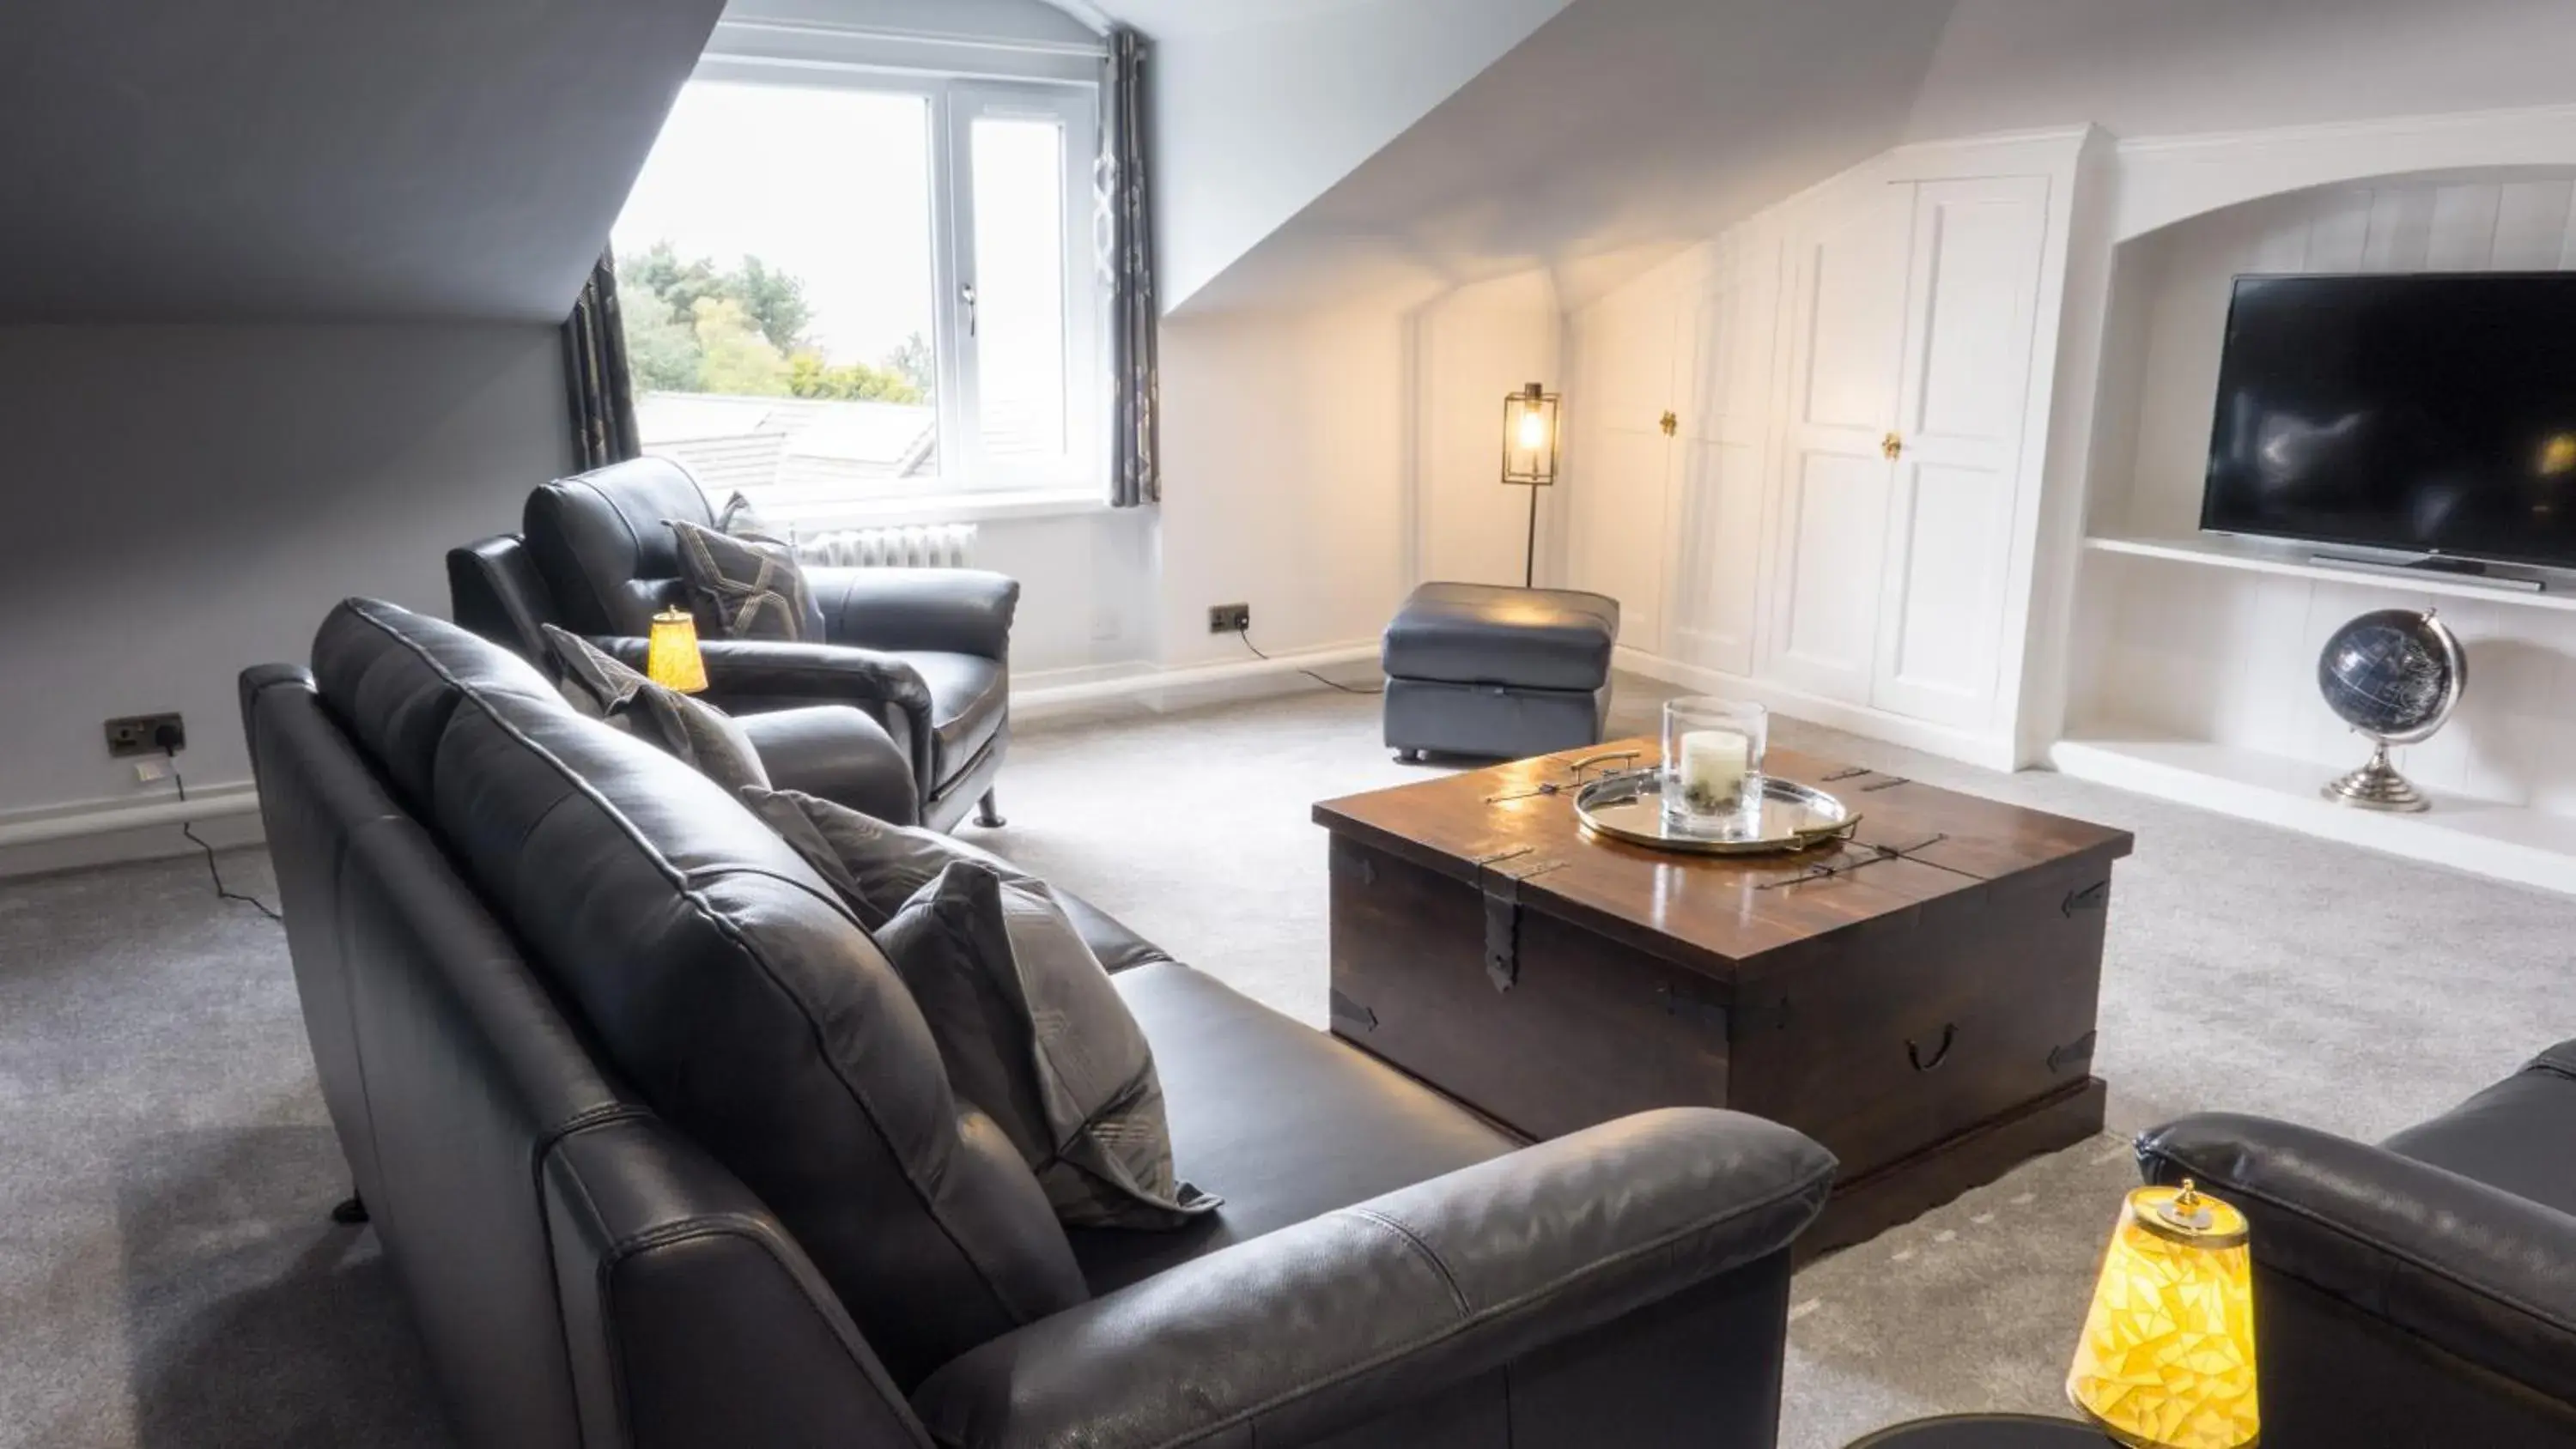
1808, 452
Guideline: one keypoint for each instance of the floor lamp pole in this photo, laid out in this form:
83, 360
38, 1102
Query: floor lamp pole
1529, 555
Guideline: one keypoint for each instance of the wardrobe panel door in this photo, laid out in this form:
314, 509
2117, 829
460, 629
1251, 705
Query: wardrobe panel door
1848, 278
1965, 396
1835, 531
1726, 458
1620, 465
1617, 550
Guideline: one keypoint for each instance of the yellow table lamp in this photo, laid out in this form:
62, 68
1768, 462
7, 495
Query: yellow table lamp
673, 660
2167, 1358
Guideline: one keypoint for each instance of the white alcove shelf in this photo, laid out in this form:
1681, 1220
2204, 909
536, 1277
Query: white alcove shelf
2191, 667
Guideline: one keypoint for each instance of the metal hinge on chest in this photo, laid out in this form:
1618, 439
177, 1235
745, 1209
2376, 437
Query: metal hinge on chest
1502, 892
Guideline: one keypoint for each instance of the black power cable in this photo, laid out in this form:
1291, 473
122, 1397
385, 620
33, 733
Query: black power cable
1246, 636
214, 872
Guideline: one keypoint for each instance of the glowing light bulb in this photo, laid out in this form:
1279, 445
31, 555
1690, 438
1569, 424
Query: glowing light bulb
1533, 431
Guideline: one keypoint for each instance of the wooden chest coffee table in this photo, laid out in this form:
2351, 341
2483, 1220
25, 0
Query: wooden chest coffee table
1921, 1000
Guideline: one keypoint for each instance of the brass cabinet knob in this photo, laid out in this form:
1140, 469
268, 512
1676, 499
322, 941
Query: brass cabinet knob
1669, 423
1893, 446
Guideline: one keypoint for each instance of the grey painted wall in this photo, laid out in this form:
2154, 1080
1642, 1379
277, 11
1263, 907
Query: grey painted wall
186, 501
356, 160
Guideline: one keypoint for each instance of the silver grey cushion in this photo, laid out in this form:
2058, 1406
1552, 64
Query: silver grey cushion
605, 688
746, 587
875, 866
1031, 1031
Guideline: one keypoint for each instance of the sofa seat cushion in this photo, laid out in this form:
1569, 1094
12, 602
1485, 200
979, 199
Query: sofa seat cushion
2518, 1135
1495, 634
969, 697
1284, 1121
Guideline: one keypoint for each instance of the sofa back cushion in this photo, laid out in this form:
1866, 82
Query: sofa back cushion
719, 975
603, 543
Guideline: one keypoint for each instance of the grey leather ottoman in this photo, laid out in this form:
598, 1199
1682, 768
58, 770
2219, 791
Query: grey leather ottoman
1497, 672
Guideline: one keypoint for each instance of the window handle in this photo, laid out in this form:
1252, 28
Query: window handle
966, 294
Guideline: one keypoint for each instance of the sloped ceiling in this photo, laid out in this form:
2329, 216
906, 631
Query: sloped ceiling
1616, 133
323, 160
1257, 106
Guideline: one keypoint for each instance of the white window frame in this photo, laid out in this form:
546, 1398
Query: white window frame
1007, 81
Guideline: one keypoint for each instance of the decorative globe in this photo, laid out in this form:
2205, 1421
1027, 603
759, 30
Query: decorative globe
2393, 674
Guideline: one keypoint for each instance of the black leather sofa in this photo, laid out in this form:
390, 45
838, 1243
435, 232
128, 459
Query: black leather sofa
925, 651
502, 917
2422, 1291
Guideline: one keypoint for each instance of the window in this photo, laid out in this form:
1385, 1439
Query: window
841, 284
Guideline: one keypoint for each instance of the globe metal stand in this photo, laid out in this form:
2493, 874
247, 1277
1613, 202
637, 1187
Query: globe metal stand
2395, 676
2377, 786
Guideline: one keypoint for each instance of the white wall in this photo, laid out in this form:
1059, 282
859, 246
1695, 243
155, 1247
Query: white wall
1471, 348
1284, 480
2171, 66
1256, 109
1087, 595
188, 501
2199, 653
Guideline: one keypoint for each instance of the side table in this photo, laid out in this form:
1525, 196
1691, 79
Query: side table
1984, 1431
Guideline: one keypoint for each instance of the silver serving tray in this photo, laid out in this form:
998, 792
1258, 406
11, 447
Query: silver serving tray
1630, 806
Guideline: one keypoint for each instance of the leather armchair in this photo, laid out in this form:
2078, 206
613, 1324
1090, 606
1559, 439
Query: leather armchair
925, 652
2421, 1291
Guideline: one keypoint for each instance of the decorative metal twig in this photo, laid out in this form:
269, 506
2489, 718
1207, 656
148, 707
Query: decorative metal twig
1843, 865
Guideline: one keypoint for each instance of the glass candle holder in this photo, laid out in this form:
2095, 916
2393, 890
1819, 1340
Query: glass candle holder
1712, 760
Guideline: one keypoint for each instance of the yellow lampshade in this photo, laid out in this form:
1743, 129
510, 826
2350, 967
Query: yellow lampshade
2167, 1358
674, 661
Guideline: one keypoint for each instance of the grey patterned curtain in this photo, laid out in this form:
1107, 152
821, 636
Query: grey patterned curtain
596, 384
1124, 235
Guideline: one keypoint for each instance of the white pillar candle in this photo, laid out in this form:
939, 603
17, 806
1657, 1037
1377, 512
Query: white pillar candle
1713, 766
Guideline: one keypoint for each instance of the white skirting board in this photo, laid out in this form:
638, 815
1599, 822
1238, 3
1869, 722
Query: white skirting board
102, 832
1995, 752
2510, 842
1062, 691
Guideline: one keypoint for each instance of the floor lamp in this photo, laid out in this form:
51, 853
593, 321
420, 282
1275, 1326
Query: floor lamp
1529, 457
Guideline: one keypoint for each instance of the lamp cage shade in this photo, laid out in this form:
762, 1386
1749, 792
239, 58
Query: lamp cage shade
1530, 437
2167, 1357
673, 660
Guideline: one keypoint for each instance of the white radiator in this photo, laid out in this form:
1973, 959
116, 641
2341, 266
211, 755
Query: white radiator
913, 546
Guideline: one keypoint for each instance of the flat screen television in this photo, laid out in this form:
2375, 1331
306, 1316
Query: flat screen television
2432, 414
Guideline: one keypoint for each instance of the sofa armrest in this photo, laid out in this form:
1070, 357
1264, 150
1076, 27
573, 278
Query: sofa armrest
953, 611
836, 753
2483, 1274
690, 1316
494, 590
753, 676
1295, 1335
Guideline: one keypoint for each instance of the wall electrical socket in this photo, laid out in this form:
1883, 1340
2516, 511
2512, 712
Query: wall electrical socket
146, 734
1229, 618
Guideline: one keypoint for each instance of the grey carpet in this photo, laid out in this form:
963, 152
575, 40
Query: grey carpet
168, 1275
